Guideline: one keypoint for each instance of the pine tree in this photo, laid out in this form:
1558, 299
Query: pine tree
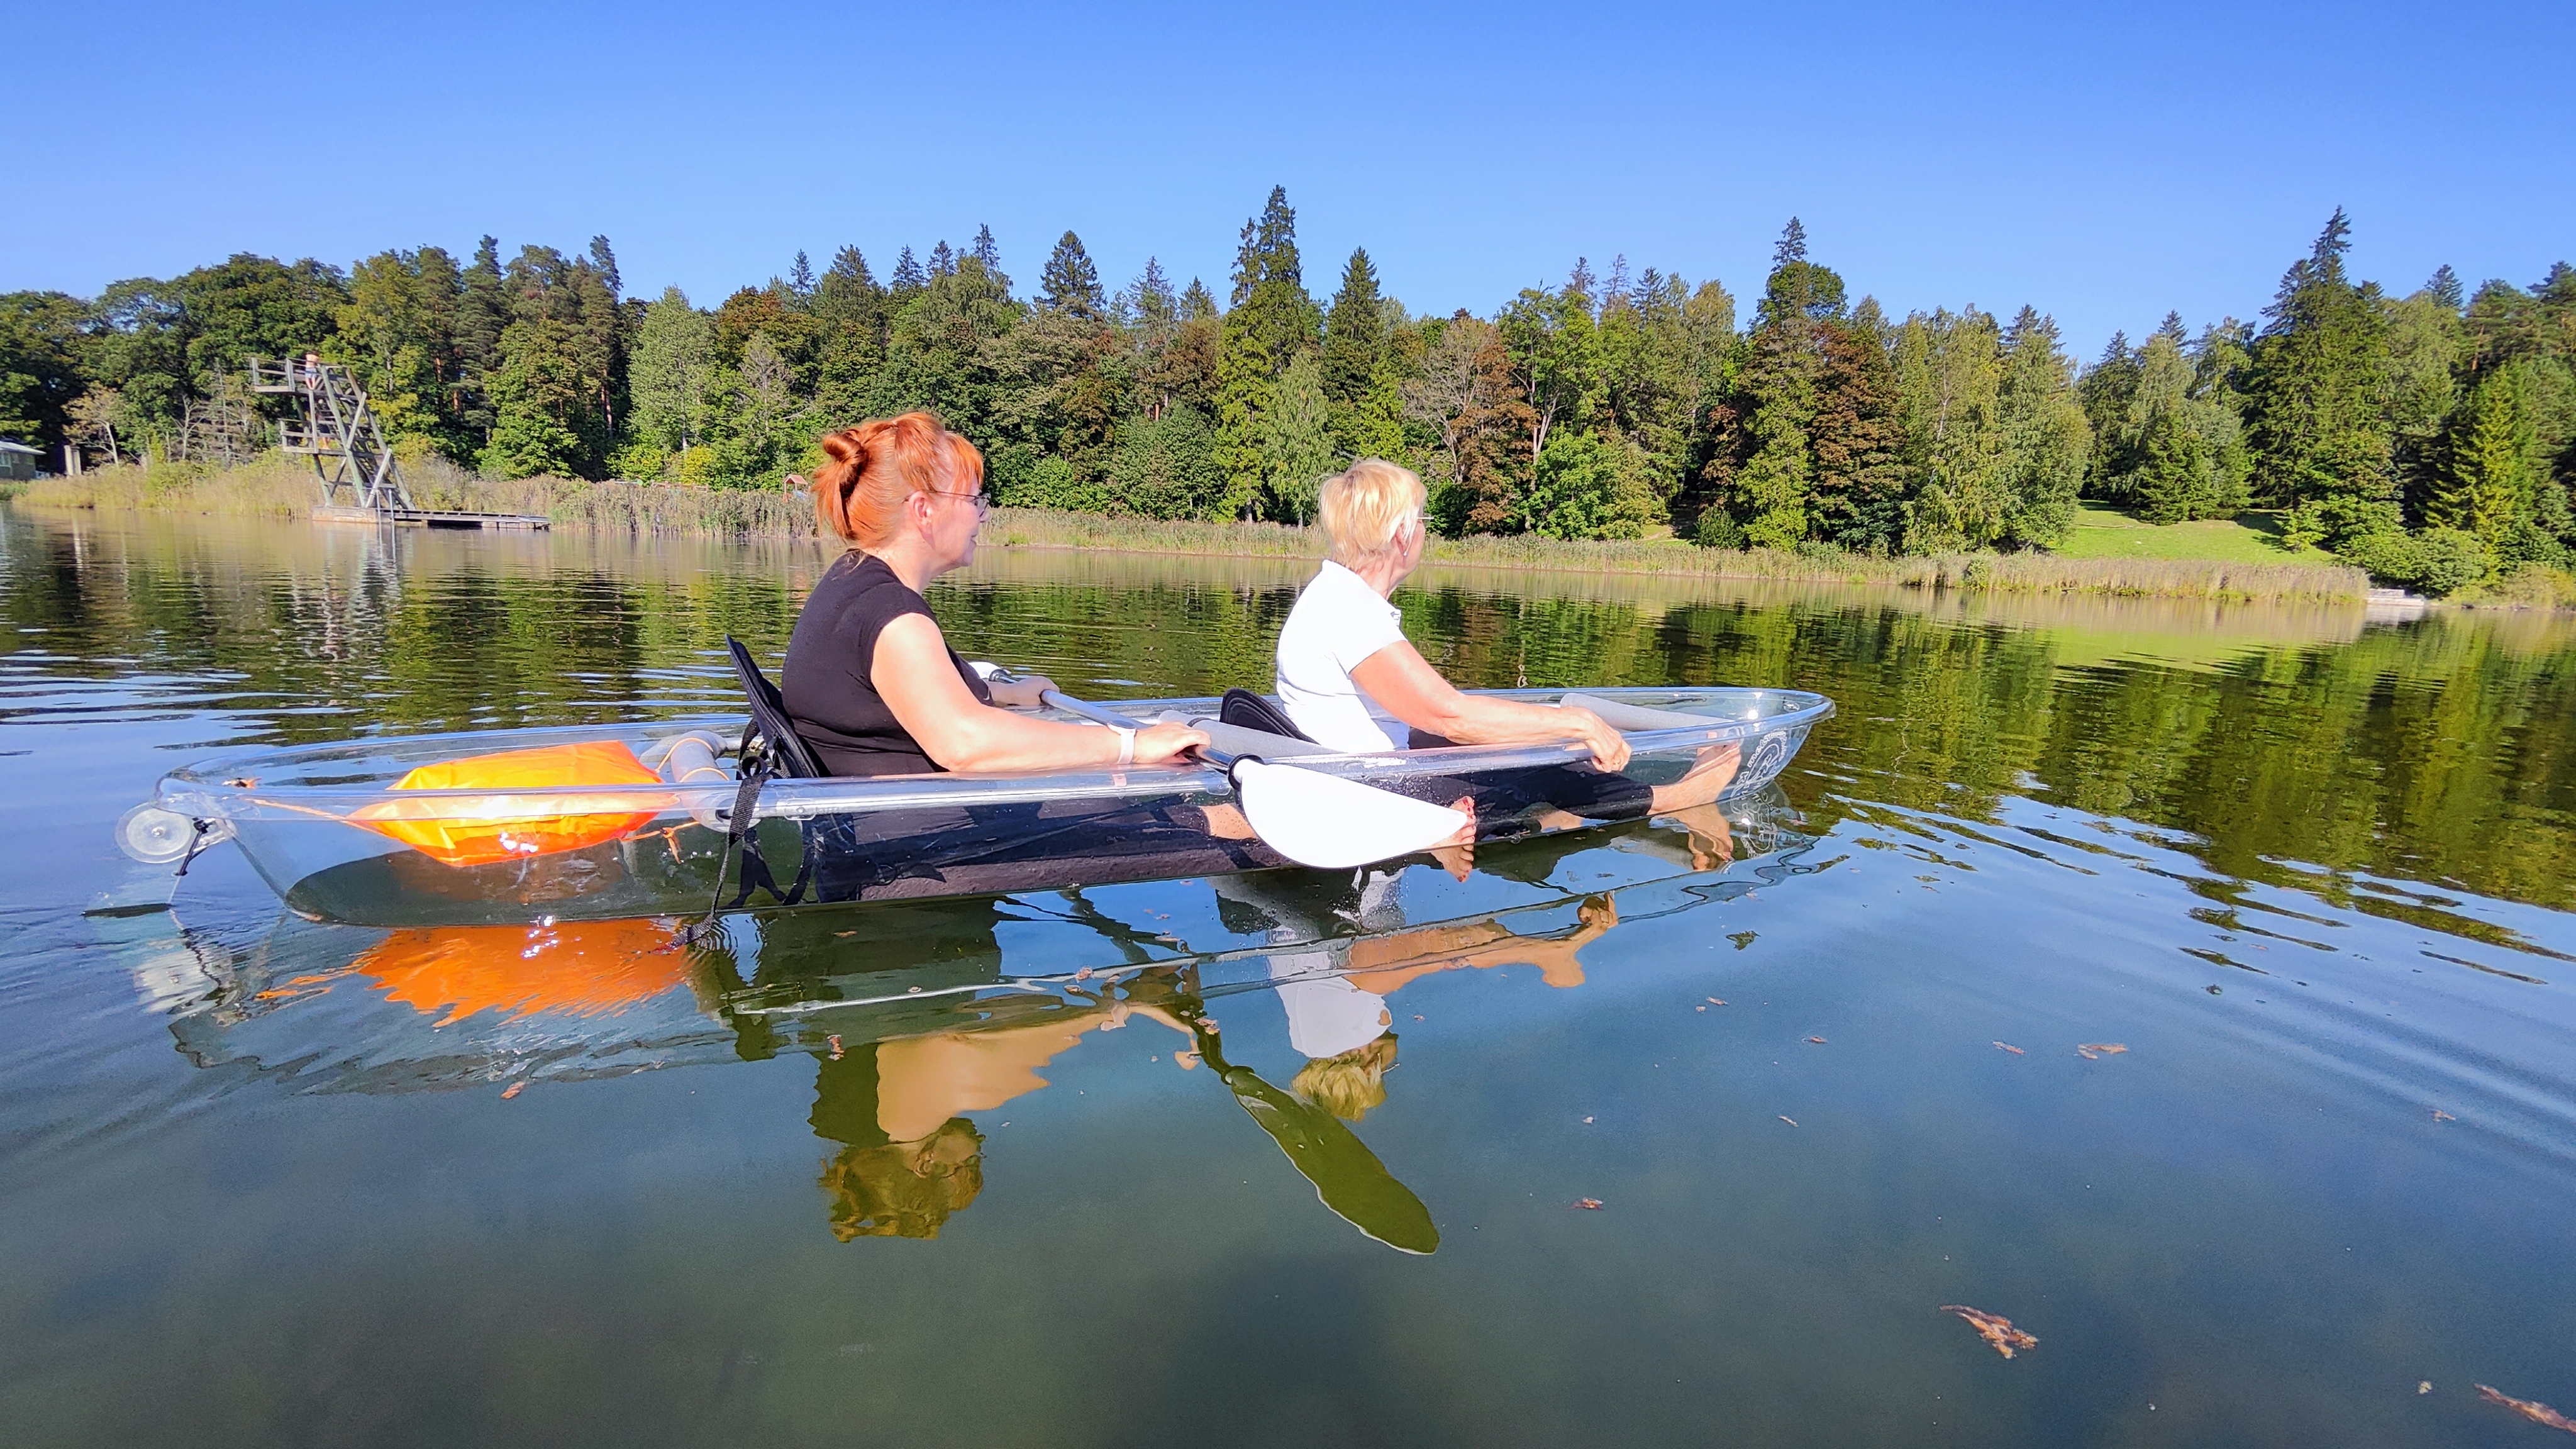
482, 315
2107, 391
604, 262
990, 255
1271, 322
908, 277
2044, 435
1197, 302
1354, 333
943, 262
1070, 283
2321, 435
2488, 486
1150, 302
800, 275
852, 308
1758, 485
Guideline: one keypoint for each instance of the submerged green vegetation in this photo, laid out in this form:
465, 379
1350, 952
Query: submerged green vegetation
2429, 439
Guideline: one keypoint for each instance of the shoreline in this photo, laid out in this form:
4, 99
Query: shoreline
274, 487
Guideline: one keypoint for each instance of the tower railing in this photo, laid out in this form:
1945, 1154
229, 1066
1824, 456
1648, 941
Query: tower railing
337, 430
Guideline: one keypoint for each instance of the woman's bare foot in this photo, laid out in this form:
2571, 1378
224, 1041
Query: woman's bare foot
1709, 776
1457, 854
1712, 839
1225, 822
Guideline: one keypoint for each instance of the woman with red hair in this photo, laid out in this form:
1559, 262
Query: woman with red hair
870, 681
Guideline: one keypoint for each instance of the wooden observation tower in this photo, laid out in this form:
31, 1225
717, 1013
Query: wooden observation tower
361, 482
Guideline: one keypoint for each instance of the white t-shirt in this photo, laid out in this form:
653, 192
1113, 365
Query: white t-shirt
1338, 622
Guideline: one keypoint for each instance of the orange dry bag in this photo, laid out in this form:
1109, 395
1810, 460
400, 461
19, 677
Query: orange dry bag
518, 820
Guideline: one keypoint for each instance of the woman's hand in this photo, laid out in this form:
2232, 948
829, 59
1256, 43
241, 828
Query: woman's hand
1156, 744
1609, 747
1020, 693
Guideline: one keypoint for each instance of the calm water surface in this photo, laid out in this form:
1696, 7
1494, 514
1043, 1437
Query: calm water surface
956, 1174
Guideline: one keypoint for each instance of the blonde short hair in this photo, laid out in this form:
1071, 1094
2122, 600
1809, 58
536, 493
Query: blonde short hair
1366, 505
1349, 1085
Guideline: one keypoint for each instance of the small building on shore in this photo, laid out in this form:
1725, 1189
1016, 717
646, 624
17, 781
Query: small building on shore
18, 462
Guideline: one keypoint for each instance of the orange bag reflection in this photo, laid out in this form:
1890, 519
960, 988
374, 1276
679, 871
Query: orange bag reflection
516, 826
581, 968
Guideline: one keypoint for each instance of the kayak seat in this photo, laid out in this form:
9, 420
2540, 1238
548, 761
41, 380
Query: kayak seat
1246, 710
789, 755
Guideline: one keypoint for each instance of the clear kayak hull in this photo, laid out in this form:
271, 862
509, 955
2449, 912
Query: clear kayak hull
333, 831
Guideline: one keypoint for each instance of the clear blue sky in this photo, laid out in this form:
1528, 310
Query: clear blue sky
2104, 167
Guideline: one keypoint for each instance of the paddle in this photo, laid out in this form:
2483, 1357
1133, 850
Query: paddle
1310, 817
1348, 1178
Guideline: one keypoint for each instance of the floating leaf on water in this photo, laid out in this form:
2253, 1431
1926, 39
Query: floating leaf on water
1588, 1204
2094, 1051
1587, 1121
1792, 1121
2005, 1046
2537, 1413
2441, 1116
1994, 1328
835, 1040
1713, 1001
1820, 1041
1082, 975
2423, 1386
512, 1090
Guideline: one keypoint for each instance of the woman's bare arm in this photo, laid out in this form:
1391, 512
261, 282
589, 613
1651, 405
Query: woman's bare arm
918, 681
1398, 677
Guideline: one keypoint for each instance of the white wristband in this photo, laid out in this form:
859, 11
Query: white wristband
1126, 744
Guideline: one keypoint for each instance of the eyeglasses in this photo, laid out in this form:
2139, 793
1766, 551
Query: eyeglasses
983, 497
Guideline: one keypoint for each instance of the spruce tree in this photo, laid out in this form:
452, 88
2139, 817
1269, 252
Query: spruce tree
1354, 333
908, 276
989, 254
2488, 486
800, 275
2044, 434
1070, 283
2322, 439
943, 262
1271, 322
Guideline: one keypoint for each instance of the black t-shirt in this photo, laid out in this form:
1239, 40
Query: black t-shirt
830, 696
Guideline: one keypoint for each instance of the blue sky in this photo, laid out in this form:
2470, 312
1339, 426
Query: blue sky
2102, 166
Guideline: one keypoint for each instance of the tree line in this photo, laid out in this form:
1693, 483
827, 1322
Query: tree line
2430, 437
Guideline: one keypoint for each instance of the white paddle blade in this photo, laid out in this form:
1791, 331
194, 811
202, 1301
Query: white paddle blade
1334, 824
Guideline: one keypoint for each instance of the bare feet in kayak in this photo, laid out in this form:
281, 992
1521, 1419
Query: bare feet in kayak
1709, 776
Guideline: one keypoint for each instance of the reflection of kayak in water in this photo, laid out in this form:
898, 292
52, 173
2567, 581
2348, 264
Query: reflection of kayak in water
621, 821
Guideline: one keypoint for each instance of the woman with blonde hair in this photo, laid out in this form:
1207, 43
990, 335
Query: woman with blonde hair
870, 681
1343, 649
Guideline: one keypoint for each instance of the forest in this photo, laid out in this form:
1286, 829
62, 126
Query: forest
2428, 437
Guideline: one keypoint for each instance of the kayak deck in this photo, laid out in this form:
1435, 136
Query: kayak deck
329, 828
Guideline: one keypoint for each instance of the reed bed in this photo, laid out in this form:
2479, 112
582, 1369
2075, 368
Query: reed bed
2033, 573
281, 487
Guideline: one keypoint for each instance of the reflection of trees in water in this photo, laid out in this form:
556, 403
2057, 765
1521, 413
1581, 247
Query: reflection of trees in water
2433, 750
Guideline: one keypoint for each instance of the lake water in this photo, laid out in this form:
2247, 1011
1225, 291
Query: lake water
908, 1176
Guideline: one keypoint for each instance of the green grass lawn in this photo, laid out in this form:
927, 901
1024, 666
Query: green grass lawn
2102, 531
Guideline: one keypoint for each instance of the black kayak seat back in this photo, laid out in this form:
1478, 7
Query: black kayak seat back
1246, 710
792, 757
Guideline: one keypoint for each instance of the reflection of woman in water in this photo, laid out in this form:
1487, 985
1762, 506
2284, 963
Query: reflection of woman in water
909, 1156
1335, 992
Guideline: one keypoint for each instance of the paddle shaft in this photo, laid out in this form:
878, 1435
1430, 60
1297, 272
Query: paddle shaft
1097, 715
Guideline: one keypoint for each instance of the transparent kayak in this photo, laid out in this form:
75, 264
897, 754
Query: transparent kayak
366, 833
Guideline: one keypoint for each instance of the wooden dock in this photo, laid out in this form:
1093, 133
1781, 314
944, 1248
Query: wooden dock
429, 518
